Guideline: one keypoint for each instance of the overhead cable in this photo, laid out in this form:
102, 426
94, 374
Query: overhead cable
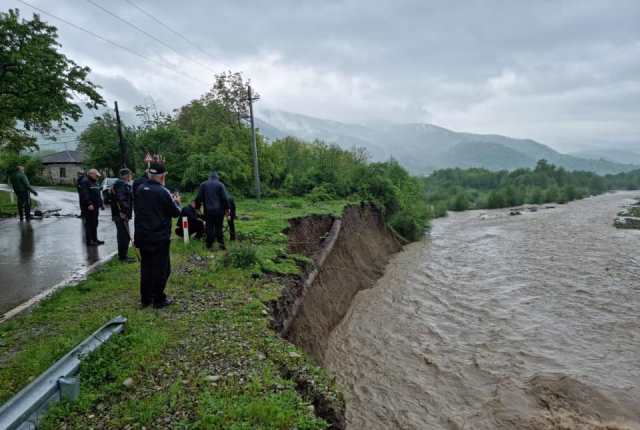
168, 27
116, 44
146, 33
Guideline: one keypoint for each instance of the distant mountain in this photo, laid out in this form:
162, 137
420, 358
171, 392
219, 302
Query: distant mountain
70, 139
615, 155
423, 148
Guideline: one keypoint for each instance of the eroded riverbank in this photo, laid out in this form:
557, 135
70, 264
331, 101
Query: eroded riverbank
500, 322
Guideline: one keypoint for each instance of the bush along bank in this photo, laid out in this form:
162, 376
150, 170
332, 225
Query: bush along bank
210, 361
463, 189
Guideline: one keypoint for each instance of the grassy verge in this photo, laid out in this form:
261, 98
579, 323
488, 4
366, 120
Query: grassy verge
7, 208
208, 362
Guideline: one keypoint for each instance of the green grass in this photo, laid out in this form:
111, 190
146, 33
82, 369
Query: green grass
7, 208
208, 362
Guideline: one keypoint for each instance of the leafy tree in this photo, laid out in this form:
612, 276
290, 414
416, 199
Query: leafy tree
230, 91
39, 86
100, 143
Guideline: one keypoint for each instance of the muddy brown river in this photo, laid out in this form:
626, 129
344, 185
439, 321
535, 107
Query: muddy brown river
500, 322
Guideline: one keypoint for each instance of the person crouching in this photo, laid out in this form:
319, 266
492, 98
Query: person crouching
195, 224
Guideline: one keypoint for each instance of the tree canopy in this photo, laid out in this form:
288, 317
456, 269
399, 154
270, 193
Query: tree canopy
39, 86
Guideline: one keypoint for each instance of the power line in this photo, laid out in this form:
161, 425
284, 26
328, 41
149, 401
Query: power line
146, 33
116, 44
176, 32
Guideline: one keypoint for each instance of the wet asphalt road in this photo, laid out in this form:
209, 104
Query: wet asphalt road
38, 255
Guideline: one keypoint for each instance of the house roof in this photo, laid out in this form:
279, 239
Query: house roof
71, 157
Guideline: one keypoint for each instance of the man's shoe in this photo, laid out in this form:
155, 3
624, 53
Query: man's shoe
127, 260
99, 242
144, 305
164, 304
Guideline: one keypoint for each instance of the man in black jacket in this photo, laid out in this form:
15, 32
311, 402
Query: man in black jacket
154, 207
213, 195
90, 205
121, 212
141, 180
195, 224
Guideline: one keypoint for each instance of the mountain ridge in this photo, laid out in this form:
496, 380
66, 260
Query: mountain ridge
423, 147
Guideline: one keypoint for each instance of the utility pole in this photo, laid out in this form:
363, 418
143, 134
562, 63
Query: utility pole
123, 145
256, 171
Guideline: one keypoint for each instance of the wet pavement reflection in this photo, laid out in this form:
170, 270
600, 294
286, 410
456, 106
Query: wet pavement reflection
38, 255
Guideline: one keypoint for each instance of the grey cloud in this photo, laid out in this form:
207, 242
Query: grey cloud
481, 65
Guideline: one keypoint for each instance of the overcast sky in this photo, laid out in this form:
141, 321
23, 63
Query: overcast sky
566, 73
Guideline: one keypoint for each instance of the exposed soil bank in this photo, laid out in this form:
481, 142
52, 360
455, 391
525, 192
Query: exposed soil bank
349, 254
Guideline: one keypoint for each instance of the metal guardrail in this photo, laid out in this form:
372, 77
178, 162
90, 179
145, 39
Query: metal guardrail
23, 410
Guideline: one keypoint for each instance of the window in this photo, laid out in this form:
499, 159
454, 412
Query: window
63, 172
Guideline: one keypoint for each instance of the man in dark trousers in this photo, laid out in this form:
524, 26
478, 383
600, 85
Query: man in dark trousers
90, 205
121, 212
154, 207
78, 181
213, 195
22, 188
195, 224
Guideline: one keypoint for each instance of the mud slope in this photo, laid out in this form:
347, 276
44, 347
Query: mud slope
349, 254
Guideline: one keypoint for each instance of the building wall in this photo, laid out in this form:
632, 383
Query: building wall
53, 172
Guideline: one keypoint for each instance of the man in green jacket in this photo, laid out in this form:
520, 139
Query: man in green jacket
22, 188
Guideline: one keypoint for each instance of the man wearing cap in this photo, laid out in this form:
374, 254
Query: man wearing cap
213, 195
121, 211
154, 207
90, 205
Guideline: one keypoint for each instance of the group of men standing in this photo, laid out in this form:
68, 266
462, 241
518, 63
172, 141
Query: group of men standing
154, 207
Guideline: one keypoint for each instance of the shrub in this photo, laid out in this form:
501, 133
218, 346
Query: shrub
242, 256
459, 203
321, 193
407, 226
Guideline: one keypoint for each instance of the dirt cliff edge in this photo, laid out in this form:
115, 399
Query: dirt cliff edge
349, 254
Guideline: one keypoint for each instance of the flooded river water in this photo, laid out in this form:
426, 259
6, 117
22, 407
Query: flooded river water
500, 322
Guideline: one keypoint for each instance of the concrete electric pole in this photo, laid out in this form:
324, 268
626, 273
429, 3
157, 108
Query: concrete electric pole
254, 147
123, 145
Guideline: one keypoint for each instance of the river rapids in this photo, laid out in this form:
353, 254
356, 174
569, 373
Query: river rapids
500, 322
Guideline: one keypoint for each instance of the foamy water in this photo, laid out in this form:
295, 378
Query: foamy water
500, 321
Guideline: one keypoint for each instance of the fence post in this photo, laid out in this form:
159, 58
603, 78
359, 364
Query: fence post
185, 229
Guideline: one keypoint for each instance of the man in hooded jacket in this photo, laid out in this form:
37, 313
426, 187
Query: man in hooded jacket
213, 196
